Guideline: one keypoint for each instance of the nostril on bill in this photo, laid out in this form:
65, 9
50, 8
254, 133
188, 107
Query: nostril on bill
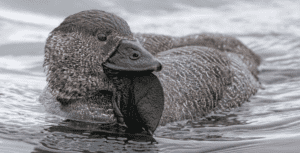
158, 67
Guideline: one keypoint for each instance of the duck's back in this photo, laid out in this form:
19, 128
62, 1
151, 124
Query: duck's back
223, 43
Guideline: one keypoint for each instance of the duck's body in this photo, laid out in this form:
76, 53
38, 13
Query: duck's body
200, 73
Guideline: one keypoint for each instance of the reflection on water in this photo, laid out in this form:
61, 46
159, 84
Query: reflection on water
79, 136
270, 121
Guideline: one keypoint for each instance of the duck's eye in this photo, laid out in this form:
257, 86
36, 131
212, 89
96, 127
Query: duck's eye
102, 37
135, 55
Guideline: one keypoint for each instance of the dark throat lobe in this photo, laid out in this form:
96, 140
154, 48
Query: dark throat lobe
125, 99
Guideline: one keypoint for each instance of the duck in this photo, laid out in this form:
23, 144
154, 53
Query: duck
99, 71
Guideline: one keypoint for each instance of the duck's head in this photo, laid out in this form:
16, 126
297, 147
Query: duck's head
77, 49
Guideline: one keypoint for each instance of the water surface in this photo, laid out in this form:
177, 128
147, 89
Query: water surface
268, 123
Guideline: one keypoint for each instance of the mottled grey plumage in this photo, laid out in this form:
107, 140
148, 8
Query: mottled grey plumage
201, 72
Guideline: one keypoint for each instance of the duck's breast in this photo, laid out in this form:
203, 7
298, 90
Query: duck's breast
97, 108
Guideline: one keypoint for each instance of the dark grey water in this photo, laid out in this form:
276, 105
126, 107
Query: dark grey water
268, 123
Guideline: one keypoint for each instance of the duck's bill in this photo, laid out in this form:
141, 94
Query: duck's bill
132, 56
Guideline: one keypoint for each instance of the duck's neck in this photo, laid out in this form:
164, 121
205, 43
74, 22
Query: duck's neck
125, 97
123, 92
122, 95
